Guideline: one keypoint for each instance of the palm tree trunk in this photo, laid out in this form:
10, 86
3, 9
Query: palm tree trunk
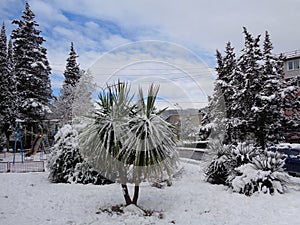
124, 186
136, 194
136, 187
126, 194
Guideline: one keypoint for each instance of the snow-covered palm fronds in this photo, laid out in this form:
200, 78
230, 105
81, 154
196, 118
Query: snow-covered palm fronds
127, 140
126, 134
101, 141
150, 142
247, 169
226, 159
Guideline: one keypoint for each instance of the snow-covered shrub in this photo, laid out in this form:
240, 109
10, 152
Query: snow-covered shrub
243, 153
66, 164
85, 174
221, 164
263, 174
226, 159
64, 156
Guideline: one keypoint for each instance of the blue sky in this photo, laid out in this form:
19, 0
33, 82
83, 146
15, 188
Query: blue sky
98, 27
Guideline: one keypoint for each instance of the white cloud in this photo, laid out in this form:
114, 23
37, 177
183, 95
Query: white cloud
114, 41
202, 26
206, 24
183, 77
47, 12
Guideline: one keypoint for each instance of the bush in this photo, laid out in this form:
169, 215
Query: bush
226, 159
264, 174
219, 168
85, 174
64, 155
247, 169
66, 165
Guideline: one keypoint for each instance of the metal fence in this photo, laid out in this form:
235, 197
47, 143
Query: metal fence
22, 167
4, 167
191, 153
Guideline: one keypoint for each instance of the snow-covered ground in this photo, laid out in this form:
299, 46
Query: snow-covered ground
30, 199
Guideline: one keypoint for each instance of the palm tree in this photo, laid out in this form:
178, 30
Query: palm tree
125, 135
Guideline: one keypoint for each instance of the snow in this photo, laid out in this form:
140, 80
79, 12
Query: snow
29, 198
288, 145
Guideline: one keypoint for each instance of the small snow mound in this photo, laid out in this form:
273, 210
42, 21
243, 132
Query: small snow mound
133, 210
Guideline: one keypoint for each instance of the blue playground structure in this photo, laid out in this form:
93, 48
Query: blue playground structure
18, 138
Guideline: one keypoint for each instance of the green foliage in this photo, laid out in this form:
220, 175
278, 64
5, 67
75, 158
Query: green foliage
64, 156
247, 169
66, 165
31, 68
248, 91
263, 174
226, 159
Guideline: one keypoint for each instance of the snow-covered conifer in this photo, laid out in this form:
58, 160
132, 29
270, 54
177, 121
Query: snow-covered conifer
66, 164
7, 89
64, 156
83, 104
67, 94
267, 107
251, 88
72, 71
31, 68
291, 106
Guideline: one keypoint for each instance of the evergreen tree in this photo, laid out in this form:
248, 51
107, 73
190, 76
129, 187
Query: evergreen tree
64, 105
268, 101
83, 103
251, 88
7, 93
249, 71
66, 165
228, 80
291, 107
67, 94
31, 68
71, 73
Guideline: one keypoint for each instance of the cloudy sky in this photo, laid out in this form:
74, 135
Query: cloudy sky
183, 36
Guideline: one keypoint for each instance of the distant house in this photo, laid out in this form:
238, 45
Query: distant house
292, 70
186, 122
292, 65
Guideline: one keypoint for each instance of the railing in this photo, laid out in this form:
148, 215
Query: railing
22, 167
191, 153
